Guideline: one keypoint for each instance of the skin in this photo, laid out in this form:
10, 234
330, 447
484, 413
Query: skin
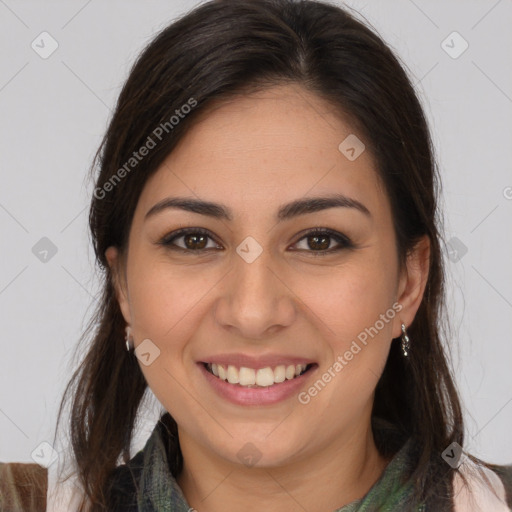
253, 154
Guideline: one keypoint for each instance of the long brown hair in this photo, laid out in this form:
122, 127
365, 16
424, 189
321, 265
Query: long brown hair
217, 51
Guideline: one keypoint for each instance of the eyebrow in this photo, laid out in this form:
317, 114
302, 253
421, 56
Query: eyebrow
285, 212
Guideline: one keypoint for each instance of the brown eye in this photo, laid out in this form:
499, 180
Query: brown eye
319, 241
194, 240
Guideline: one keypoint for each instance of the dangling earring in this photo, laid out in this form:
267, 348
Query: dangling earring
406, 345
128, 339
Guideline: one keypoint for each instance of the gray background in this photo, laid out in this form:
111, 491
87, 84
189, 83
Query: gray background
55, 110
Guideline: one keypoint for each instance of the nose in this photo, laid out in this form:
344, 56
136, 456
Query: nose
255, 300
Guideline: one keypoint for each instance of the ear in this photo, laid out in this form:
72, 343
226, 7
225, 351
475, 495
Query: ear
412, 284
116, 265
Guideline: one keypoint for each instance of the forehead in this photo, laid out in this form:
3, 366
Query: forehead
263, 149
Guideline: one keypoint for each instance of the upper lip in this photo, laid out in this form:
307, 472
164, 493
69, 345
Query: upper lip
256, 362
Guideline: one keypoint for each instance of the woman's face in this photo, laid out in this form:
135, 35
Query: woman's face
256, 291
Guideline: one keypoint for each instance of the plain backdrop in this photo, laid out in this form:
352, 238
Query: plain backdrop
54, 111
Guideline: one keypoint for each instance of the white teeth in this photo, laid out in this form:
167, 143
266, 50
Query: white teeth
263, 377
232, 374
280, 373
247, 376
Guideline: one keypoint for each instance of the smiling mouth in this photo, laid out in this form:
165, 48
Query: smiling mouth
257, 378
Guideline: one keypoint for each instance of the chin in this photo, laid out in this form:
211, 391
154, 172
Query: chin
255, 452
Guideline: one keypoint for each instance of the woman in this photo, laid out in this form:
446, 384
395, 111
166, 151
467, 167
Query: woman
266, 215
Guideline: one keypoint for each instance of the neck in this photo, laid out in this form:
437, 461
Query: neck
326, 480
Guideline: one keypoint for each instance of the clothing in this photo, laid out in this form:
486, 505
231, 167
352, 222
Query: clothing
146, 484
393, 492
22, 487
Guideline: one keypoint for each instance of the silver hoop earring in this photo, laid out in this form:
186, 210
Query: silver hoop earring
406, 342
128, 338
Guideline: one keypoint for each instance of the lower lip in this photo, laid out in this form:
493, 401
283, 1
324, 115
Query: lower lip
240, 395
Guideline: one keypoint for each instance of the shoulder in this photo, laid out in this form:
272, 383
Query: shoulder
478, 487
23, 487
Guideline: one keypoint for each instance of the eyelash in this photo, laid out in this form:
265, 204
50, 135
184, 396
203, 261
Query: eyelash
343, 240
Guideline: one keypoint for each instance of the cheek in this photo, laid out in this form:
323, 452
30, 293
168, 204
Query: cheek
350, 298
165, 300
356, 353
354, 314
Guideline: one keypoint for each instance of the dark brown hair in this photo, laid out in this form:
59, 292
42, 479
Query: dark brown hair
217, 51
